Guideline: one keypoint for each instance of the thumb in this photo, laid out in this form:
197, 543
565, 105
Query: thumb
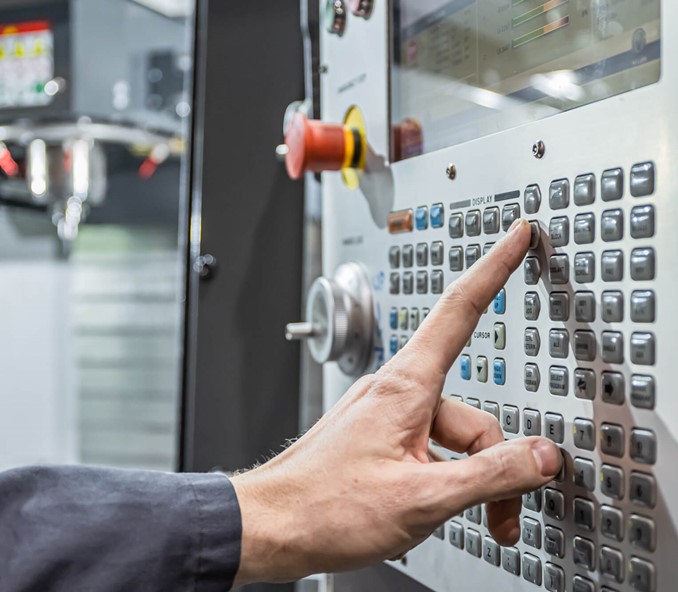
501, 472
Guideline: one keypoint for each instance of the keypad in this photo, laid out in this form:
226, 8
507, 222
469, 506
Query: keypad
643, 533
584, 473
422, 254
532, 269
437, 254
585, 307
554, 541
612, 440
642, 575
585, 384
456, 258
584, 268
472, 254
532, 342
612, 266
511, 560
612, 225
559, 231
612, 481
642, 179
510, 419
584, 229
559, 380
509, 215
582, 584
559, 343
491, 221
559, 269
585, 189
532, 306
531, 533
643, 489
643, 265
532, 378
643, 391
473, 223
532, 569
612, 564
643, 222
554, 578
643, 448
559, 194
612, 185
613, 388
532, 202
559, 306
584, 434
643, 306
592, 267
612, 523
613, 306
531, 422
584, 553
456, 225
554, 504
473, 543
584, 514
456, 534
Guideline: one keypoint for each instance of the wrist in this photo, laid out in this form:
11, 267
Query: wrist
271, 529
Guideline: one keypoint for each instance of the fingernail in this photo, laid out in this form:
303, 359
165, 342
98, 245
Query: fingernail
516, 224
548, 456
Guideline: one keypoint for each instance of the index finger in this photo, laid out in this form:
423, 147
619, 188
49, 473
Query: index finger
442, 336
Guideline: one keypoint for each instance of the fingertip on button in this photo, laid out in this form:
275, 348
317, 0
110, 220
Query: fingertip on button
548, 456
535, 235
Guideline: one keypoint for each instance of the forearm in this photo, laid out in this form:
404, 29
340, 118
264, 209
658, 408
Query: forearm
73, 528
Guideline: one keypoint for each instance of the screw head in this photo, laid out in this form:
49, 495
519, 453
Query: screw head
539, 149
451, 172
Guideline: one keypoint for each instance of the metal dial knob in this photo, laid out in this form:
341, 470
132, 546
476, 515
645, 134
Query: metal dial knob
339, 323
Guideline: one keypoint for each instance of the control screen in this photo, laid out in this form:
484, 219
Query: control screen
465, 69
26, 63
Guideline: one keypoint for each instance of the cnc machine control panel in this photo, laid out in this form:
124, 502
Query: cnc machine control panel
474, 114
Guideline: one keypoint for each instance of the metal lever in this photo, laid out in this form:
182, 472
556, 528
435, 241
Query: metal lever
299, 331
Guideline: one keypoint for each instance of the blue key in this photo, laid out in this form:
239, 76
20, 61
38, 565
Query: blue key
437, 216
466, 368
421, 218
394, 319
394, 345
499, 372
500, 302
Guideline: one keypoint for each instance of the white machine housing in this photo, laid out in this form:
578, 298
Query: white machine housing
635, 127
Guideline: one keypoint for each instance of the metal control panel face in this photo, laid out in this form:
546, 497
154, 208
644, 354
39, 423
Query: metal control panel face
579, 346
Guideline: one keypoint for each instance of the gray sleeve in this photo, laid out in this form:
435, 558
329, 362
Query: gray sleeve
73, 529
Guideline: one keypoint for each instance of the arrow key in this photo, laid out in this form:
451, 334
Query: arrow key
585, 384
500, 336
613, 388
481, 367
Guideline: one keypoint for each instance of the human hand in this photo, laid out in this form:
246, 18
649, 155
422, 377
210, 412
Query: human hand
361, 486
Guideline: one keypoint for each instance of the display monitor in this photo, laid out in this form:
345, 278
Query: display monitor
464, 69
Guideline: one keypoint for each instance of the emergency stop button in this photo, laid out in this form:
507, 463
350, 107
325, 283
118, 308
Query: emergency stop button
316, 146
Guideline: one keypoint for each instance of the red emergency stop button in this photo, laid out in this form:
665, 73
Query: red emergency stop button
316, 146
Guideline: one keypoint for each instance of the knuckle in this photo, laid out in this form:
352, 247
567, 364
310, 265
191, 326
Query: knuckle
392, 379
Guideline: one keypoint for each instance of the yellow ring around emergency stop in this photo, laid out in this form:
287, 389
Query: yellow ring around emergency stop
354, 120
